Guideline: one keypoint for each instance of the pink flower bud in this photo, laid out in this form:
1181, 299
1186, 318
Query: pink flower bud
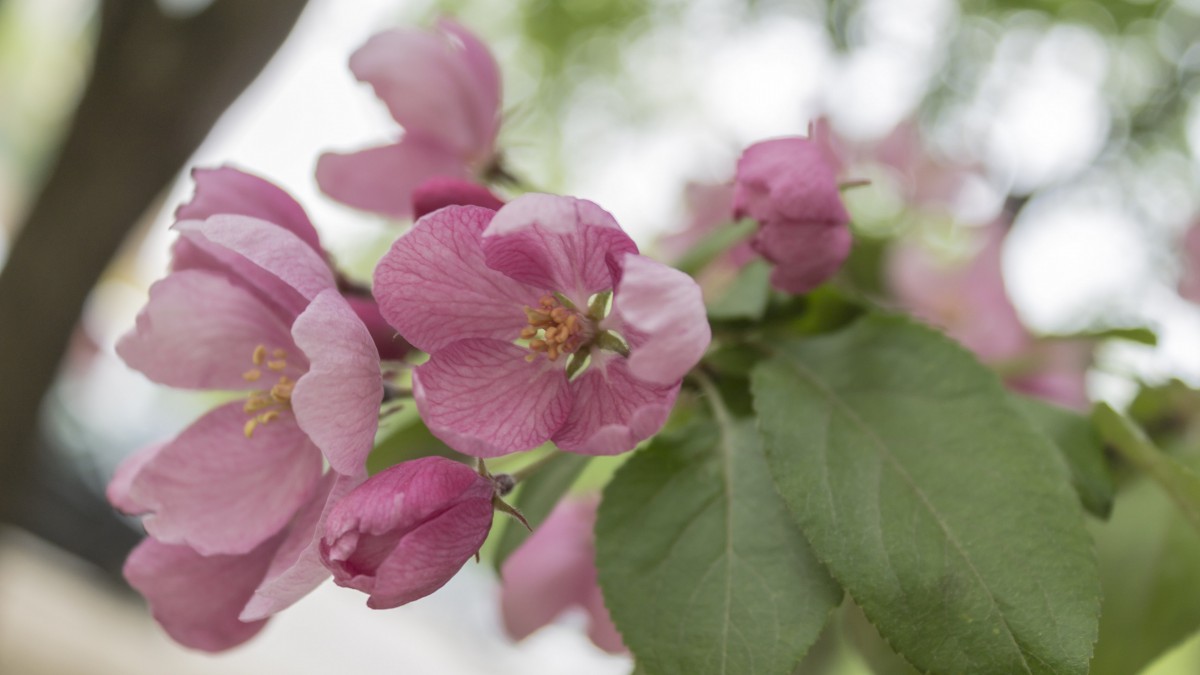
402, 534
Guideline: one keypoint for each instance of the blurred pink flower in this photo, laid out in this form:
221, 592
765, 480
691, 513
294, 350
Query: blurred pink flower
436, 193
554, 570
466, 283
443, 87
406, 531
789, 185
1189, 284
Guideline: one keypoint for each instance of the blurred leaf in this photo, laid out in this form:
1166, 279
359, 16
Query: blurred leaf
747, 296
410, 441
928, 495
1080, 445
702, 569
714, 244
536, 496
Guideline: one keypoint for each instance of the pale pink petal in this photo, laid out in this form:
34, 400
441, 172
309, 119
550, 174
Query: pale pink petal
269, 247
551, 571
442, 191
1189, 284
337, 401
382, 179
216, 490
117, 491
430, 89
805, 254
485, 77
555, 242
198, 254
601, 630
792, 179
199, 331
434, 287
613, 410
229, 190
197, 598
665, 307
407, 530
296, 570
391, 346
484, 399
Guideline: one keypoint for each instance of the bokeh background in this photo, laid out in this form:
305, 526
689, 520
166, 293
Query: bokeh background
1080, 119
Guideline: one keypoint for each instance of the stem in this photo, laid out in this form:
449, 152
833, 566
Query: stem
710, 247
533, 468
713, 397
1128, 439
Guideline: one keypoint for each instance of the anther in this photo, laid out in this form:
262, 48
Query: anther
279, 353
528, 332
277, 365
249, 428
260, 353
252, 375
537, 345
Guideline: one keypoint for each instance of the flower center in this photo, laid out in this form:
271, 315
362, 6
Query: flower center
264, 405
554, 330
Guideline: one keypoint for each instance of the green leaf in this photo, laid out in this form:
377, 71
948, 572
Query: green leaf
947, 517
702, 569
410, 441
747, 296
1139, 335
713, 245
1127, 438
1150, 568
1080, 445
536, 496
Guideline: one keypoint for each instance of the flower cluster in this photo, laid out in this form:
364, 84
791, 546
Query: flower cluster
508, 324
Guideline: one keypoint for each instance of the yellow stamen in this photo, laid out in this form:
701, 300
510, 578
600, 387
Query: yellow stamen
250, 425
277, 365
279, 353
252, 375
267, 416
260, 353
528, 332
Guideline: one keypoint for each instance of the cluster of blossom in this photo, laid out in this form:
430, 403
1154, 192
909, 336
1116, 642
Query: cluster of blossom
541, 322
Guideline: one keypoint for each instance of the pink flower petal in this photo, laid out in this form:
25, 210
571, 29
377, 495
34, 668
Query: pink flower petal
484, 399
229, 190
196, 598
557, 243
382, 179
297, 570
665, 307
117, 491
434, 287
217, 491
407, 530
337, 401
199, 331
391, 346
551, 571
805, 254
431, 88
270, 247
485, 77
792, 179
601, 630
613, 410
441, 191
1189, 284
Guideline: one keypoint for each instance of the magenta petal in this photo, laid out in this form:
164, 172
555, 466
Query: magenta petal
270, 247
666, 309
442, 191
296, 570
229, 190
407, 530
337, 401
217, 491
792, 179
391, 346
805, 254
434, 287
484, 399
382, 179
613, 410
430, 89
551, 571
196, 598
199, 331
117, 491
557, 243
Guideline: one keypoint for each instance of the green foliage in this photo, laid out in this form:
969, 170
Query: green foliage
938, 506
1080, 446
747, 296
535, 498
702, 569
409, 441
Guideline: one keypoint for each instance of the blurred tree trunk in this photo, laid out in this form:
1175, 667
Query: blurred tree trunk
158, 84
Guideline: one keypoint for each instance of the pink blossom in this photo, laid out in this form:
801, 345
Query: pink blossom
406, 531
554, 570
443, 87
512, 304
789, 185
1189, 284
